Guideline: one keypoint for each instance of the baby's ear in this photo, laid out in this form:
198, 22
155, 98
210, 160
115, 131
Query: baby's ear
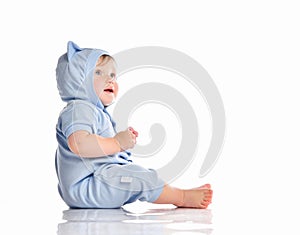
72, 49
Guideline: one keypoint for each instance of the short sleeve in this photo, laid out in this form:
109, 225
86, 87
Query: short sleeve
78, 116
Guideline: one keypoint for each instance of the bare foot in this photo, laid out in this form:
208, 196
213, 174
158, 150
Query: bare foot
197, 197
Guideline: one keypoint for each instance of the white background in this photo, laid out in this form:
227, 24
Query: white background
251, 50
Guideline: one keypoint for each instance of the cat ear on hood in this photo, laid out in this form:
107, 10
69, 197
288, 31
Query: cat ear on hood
72, 49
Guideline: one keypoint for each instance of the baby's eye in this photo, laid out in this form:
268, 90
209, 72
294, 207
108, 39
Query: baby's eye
113, 75
98, 72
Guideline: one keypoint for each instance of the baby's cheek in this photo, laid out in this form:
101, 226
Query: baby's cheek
116, 89
99, 85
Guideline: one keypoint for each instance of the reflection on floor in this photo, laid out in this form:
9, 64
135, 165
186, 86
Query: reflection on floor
136, 218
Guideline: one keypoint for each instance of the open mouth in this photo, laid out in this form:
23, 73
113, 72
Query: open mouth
109, 90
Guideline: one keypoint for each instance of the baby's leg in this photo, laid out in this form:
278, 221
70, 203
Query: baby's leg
193, 198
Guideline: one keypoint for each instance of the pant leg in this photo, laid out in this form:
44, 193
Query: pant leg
116, 185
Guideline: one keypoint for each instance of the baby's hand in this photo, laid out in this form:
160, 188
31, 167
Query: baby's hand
133, 131
127, 138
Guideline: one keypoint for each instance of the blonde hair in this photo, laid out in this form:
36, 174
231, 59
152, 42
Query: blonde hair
104, 59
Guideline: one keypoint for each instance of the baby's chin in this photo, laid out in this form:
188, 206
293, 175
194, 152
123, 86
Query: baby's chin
108, 103
107, 99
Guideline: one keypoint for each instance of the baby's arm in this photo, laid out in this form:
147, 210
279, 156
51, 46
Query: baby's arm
89, 145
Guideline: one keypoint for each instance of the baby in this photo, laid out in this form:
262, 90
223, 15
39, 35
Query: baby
93, 164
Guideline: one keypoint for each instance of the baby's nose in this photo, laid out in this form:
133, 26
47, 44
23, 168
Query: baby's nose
110, 79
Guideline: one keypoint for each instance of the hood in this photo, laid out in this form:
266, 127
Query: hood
74, 74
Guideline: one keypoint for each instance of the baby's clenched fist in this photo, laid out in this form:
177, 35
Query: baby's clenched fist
126, 139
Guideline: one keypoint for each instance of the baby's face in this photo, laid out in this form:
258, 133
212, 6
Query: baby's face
105, 84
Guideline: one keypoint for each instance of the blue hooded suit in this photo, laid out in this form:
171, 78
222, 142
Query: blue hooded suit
102, 182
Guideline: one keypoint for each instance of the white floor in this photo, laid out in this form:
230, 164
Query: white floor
136, 218
141, 218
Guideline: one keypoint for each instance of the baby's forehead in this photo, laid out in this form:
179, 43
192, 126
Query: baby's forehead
105, 61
